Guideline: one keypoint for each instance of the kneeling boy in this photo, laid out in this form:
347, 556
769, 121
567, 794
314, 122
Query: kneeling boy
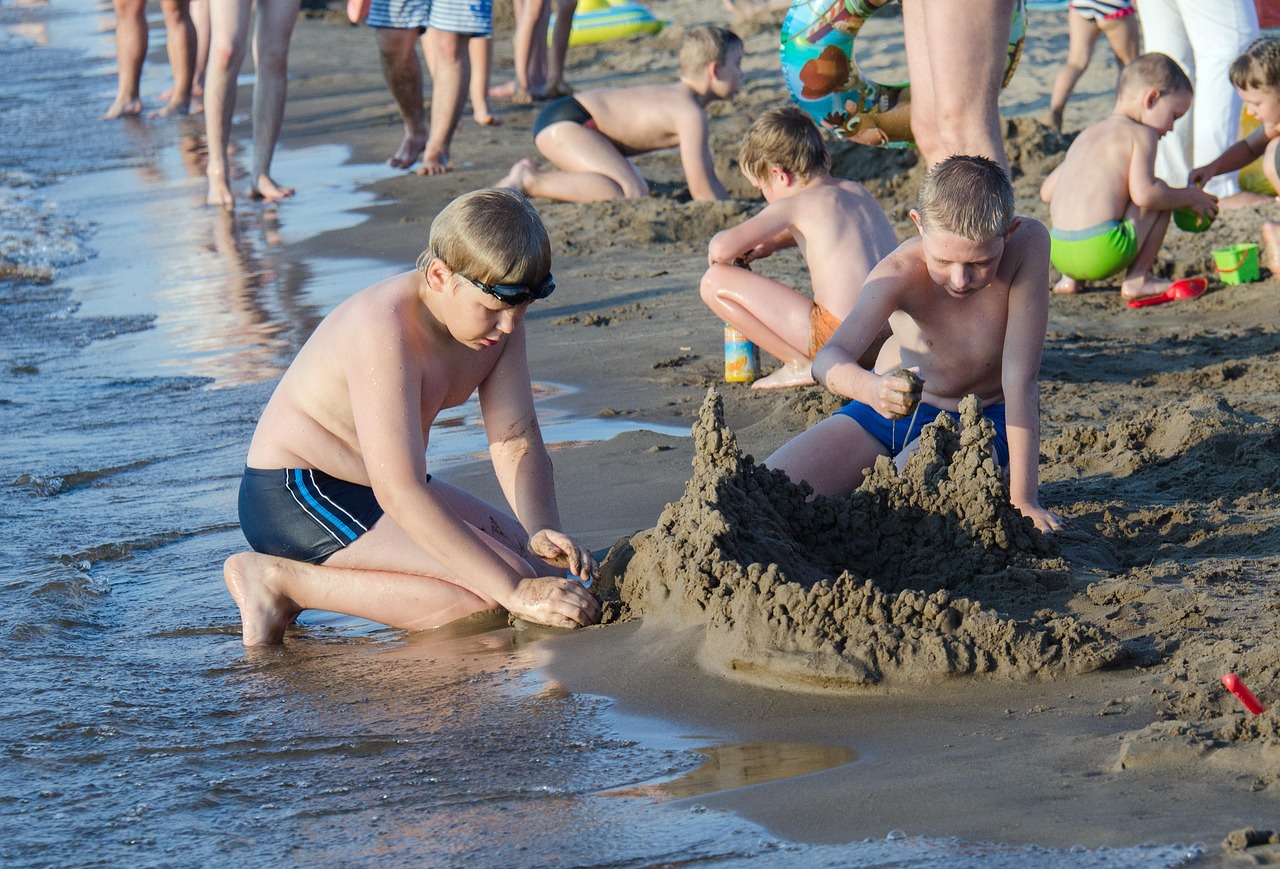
336, 500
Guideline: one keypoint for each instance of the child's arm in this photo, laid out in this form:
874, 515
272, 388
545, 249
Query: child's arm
695, 154
521, 462
753, 239
1023, 348
1050, 184
1148, 191
1239, 155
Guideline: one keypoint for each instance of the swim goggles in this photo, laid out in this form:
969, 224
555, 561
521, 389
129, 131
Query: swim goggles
515, 294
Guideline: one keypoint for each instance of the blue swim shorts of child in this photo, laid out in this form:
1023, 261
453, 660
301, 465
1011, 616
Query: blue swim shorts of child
1095, 253
303, 514
896, 434
467, 17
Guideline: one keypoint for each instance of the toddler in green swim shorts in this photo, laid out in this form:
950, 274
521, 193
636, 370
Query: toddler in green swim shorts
1109, 212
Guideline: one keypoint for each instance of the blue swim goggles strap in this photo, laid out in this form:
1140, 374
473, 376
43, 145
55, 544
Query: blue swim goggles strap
515, 294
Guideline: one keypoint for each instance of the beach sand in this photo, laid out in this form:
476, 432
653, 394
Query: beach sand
1062, 692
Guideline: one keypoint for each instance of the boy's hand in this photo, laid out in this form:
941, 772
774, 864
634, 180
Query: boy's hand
555, 547
1206, 205
554, 601
898, 393
1199, 177
1046, 520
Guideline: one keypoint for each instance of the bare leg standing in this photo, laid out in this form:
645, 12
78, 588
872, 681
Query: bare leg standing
276, 19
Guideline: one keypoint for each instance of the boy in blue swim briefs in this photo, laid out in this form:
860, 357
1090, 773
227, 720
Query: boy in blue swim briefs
336, 500
1108, 209
967, 304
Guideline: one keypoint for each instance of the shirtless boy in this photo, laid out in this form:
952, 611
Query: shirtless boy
590, 136
968, 308
1256, 76
336, 500
837, 225
1108, 209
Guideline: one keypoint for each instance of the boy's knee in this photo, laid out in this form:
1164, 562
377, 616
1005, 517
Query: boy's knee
634, 189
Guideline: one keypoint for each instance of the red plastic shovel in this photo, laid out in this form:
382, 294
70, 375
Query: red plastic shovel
1237, 687
1187, 288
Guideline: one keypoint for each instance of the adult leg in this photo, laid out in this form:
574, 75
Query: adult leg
180, 33
831, 457
590, 168
131, 51
450, 67
200, 20
1163, 30
1083, 36
771, 314
559, 49
1124, 37
960, 113
397, 49
228, 39
480, 51
530, 20
276, 19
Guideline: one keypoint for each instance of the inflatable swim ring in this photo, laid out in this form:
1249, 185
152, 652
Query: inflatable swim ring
1252, 178
822, 74
602, 20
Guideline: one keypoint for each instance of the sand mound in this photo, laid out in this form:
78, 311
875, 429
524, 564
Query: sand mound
837, 593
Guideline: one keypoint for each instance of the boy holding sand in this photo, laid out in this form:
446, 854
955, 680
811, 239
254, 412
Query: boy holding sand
1256, 76
968, 309
589, 136
336, 500
838, 226
1108, 209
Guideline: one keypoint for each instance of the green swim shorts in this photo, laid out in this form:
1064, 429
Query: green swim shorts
1094, 253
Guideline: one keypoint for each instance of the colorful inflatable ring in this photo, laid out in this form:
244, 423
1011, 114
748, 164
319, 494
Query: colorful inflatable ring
1252, 177
823, 77
602, 20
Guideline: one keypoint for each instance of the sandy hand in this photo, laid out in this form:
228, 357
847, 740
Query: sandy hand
555, 601
555, 547
899, 393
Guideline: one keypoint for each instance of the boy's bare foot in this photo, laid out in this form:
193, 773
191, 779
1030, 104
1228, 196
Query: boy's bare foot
1066, 286
434, 163
518, 178
1271, 241
269, 191
791, 374
264, 612
220, 195
1245, 199
123, 108
1143, 288
503, 91
407, 154
488, 119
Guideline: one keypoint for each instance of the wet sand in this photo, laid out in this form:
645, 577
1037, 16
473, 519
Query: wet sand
1159, 447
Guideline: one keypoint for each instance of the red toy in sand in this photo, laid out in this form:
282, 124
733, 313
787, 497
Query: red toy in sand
1243, 694
1187, 288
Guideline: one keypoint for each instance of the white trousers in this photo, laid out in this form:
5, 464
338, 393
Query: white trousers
1204, 37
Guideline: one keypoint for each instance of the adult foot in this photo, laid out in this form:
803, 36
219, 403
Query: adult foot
1143, 288
1066, 286
174, 109
1271, 241
558, 89
269, 191
1053, 120
252, 580
123, 108
518, 178
791, 374
407, 154
220, 195
488, 119
503, 91
1245, 199
434, 163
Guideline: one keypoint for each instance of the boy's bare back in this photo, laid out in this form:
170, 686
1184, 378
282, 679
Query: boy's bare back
1110, 164
647, 118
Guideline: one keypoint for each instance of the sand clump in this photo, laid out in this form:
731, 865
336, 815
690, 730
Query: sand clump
915, 577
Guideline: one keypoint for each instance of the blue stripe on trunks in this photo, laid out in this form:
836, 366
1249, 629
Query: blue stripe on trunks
333, 520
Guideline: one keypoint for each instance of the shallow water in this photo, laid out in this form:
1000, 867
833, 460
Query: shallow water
140, 336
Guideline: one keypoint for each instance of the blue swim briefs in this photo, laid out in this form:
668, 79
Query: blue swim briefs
303, 514
896, 434
467, 17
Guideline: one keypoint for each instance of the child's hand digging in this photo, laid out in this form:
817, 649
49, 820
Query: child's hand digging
899, 393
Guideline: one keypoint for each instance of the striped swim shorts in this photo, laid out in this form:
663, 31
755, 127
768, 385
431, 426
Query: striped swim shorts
467, 17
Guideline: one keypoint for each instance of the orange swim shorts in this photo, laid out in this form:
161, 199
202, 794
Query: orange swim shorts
822, 325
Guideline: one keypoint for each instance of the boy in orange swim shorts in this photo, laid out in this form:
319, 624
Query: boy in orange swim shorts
838, 226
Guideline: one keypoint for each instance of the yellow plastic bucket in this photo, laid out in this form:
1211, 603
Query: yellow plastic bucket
1237, 264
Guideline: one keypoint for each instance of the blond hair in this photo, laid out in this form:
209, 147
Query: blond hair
1259, 66
969, 196
1154, 70
704, 44
785, 137
493, 235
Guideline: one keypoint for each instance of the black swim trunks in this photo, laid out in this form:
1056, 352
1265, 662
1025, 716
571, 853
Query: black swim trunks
303, 514
563, 109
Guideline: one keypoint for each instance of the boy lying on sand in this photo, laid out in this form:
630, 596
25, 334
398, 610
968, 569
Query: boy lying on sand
336, 500
590, 135
967, 304
1256, 76
1108, 209
836, 223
